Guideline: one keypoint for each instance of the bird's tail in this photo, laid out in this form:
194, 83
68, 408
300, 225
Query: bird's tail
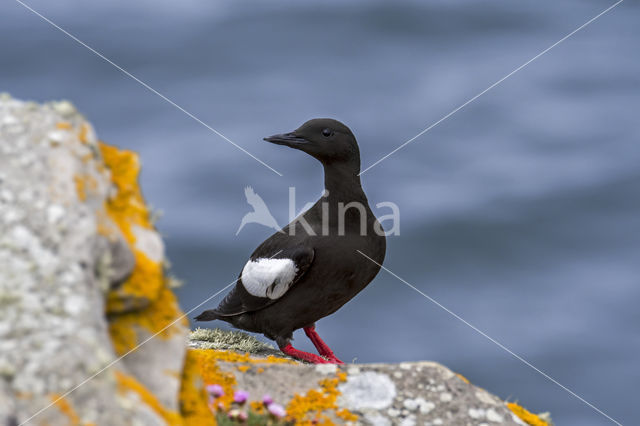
209, 315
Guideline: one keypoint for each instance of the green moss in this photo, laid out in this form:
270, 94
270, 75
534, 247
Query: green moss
214, 338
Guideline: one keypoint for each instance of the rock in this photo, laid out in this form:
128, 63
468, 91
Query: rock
418, 393
81, 279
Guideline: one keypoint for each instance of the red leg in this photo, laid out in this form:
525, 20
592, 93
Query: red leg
304, 356
321, 346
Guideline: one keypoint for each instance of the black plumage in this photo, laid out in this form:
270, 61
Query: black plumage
311, 268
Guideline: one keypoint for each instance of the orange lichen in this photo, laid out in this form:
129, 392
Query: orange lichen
461, 377
126, 208
162, 316
144, 300
208, 361
258, 407
128, 383
193, 397
346, 415
82, 135
143, 285
213, 374
243, 368
80, 188
64, 125
65, 408
311, 408
526, 416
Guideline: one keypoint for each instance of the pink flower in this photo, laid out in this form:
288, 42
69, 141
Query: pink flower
267, 400
240, 396
215, 390
277, 410
243, 417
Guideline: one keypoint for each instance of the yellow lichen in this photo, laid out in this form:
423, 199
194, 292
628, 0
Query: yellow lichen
312, 408
193, 397
80, 188
243, 368
143, 285
526, 416
64, 125
258, 407
84, 185
128, 383
461, 377
212, 374
144, 300
84, 129
346, 415
65, 408
126, 208
162, 316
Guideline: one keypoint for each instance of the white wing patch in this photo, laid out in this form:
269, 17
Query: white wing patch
268, 277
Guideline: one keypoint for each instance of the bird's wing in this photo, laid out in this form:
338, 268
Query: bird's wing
265, 279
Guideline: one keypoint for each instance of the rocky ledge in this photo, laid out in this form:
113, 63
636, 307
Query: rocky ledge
91, 332
411, 393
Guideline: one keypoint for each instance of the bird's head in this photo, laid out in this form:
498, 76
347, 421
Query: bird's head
327, 140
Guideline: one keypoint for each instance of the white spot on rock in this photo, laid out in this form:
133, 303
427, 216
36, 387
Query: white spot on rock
64, 108
377, 419
74, 304
58, 136
409, 421
410, 404
425, 406
149, 242
393, 412
476, 413
485, 397
367, 390
353, 370
446, 397
326, 368
493, 416
55, 212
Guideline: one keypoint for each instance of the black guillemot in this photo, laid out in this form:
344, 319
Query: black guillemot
312, 267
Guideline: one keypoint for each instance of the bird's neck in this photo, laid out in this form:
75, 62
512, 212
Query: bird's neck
343, 183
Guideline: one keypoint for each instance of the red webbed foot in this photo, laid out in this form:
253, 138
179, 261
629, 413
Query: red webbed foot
304, 356
322, 348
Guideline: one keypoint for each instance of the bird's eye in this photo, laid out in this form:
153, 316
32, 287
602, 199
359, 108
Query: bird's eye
326, 132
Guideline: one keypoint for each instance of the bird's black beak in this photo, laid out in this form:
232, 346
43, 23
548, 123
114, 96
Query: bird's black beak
288, 139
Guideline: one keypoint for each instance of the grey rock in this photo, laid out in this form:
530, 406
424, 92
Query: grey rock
53, 331
410, 393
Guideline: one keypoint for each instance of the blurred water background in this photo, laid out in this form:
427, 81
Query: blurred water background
521, 212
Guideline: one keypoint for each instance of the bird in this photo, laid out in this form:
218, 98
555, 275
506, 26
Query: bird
260, 213
317, 263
